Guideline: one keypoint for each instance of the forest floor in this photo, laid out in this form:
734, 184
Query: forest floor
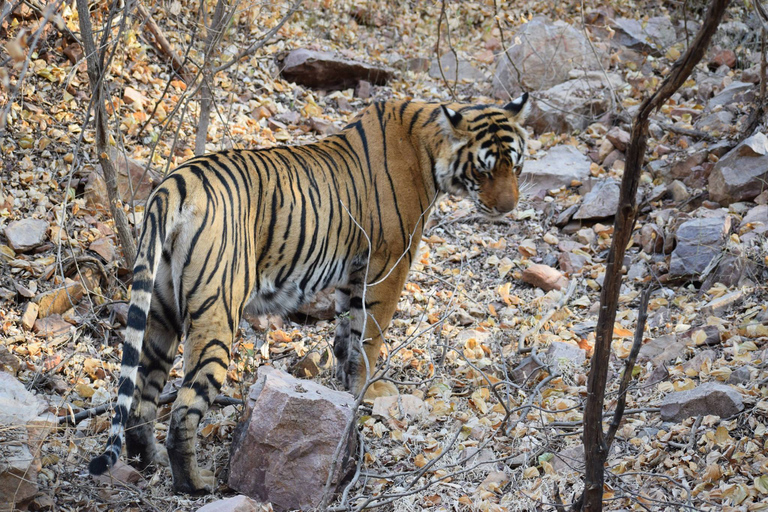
502, 442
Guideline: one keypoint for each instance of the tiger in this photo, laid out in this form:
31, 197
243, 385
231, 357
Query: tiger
262, 231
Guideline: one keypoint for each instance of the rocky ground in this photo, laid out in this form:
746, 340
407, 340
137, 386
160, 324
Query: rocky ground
483, 423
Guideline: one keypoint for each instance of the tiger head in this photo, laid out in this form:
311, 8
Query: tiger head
483, 157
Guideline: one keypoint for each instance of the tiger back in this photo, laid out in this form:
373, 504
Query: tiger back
267, 229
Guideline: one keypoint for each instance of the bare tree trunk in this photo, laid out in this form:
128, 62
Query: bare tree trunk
206, 97
95, 62
594, 441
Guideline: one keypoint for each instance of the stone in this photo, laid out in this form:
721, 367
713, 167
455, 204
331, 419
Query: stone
559, 167
565, 216
544, 277
682, 168
661, 350
716, 123
120, 310
733, 93
757, 216
703, 335
465, 71
653, 38
618, 137
699, 241
95, 192
571, 263
327, 71
569, 461
474, 456
73, 52
678, 191
26, 234
731, 270
29, 315
9, 363
742, 375
17, 405
400, 407
586, 236
544, 52
742, 173
53, 325
600, 202
363, 89
699, 359
560, 352
751, 75
651, 238
134, 181
322, 126
526, 370
120, 473
283, 450
235, 504
710, 398
59, 300
322, 306
289, 117
418, 64
574, 104
720, 305
724, 58
18, 474
105, 248
134, 98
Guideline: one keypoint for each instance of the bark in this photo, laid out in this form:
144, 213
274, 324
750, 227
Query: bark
206, 96
164, 46
96, 72
594, 441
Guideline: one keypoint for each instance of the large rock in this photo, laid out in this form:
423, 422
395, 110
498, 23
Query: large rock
560, 354
600, 202
323, 70
465, 71
543, 52
709, 398
575, 103
19, 462
654, 37
699, 241
134, 181
559, 167
544, 277
735, 92
26, 234
283, 451
56, 302
235, 504
742, 174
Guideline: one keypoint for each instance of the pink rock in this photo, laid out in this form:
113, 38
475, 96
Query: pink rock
284, 450
544, 277
235, 504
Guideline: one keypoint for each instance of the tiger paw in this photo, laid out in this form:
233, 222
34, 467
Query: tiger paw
199, 483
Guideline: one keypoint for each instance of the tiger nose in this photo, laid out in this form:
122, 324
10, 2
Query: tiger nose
507, 201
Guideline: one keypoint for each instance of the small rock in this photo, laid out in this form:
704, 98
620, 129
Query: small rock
544, 277
418, 64
711, 398
734, 93
751, 75
120, 309
134, 181
289, 117
600, 202
586, 236
703, 335
323, 70
651, 238
678, 191
559, 167
9, 363
613, 157
565, 216
757, 216
283, 450
465, 71
571, 263
473, 456
322, 126
742, 375
742, 173
29, 315
724, 58
399, 407
105, 248
662, 349
308, 367
698, 242
96, 196
716, 123
133, 97
560, 352
59, 300
619, 138
719, 305
26, 234
120, 472
73, 52
235, 504
53, 325
699, 359
493, 482
363, 89
463, 318
17, 405
569, 461
525, 371
322, 306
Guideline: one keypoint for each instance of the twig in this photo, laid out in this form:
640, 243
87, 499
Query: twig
165, 398
163, 44
451, 88
628, 367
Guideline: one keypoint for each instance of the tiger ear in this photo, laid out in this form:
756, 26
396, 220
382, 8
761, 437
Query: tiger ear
519, 108
454, 118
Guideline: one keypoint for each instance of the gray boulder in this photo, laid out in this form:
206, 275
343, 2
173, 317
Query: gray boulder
742, 174
464, 70
709, 398
699, 241
557, 168
26, 234
600, 202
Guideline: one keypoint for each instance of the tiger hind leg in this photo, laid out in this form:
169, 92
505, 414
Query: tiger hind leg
206, 359
161, 343
342, 338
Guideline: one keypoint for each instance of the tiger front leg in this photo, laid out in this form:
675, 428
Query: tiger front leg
373, 319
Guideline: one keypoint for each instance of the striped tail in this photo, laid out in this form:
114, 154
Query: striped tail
155, 229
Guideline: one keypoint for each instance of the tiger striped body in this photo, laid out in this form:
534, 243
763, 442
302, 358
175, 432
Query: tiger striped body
267, 229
